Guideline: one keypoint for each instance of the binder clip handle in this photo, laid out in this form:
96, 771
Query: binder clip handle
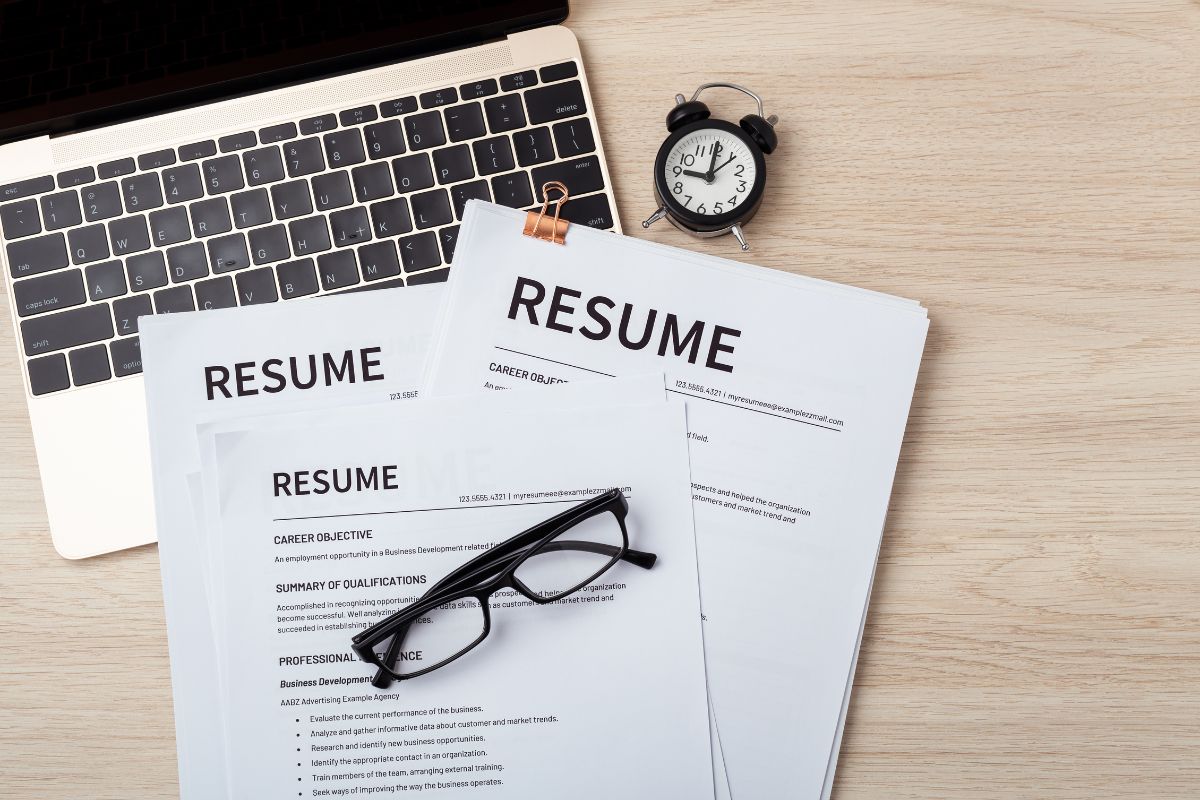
556, 230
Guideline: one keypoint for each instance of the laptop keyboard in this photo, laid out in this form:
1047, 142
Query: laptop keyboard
369, 197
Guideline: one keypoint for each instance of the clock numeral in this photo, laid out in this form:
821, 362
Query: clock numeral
740, 169
741, 186
687, 159
676, 170
717, 208
687, 199
732, 201
677, 188
700, 209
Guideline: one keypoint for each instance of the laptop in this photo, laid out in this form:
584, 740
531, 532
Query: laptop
161, 158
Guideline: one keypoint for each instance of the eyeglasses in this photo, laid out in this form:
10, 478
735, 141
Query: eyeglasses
547, 562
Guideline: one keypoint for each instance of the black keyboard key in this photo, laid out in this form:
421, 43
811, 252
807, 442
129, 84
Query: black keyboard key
89, 365
493, 155
357, 116
101, 201
332, 190
390, 218
48, 374
309, 235
169, 226
183, 183
174, 300
26, 188
384, 139
504, 113
51, 292
449, 238
146, 271
474, 91
389, 283
251, 208
297, 279
574, 138
439, 97
87, 244
372, 182
512, 190
129, 235
593, 211
424, 130
337, 270
453, 164
277, 133
533, 146
215, 293
142, 192
350, 226
379, 261
237, 141
198, 150
61, 210
475, 190
256, 287
518, 80
431, 209
223, 174
413, 173
559, 101
116, 169
581, 176
227, 253
401, 105
76, 177
126, 356
20, 219
465, 122
187, 262
263, 166
159, 158
291, 200
72, 328
303, 157
128, 310
210, 217
105, 281
344, 148
325, 122
419, 251
269, 244
559, 72
31, 256
431, 276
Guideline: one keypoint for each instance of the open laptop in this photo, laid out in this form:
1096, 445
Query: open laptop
165, 157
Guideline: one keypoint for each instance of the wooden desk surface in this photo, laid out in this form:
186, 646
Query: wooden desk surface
1030, 171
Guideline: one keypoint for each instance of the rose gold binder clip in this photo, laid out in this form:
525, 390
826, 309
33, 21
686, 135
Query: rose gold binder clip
556, 229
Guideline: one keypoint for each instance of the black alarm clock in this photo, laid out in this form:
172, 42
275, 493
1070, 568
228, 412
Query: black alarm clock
710, 174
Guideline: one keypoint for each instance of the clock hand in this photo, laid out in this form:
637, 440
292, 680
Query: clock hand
723, 166
694, 174
708, 176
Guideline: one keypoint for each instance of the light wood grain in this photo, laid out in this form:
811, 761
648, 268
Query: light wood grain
1028, 170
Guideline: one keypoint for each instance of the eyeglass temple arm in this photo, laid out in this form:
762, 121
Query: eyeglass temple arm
638, 558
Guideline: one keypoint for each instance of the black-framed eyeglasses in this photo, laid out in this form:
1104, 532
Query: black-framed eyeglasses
545, 563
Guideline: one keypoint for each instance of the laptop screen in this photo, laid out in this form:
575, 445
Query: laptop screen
66, 64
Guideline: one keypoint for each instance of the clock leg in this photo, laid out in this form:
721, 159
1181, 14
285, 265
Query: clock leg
655, 217
736, 230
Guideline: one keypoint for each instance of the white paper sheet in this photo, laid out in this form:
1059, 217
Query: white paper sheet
797, 396
176, 349
571, 681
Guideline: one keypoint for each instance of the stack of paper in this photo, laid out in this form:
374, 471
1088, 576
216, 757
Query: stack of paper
796, 393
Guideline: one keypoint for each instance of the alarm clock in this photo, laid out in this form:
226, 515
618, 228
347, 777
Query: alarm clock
710, 174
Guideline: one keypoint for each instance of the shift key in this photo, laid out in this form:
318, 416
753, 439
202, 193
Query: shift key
581, 175
42, 254
68, 329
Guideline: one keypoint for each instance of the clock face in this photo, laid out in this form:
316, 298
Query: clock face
710, 172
